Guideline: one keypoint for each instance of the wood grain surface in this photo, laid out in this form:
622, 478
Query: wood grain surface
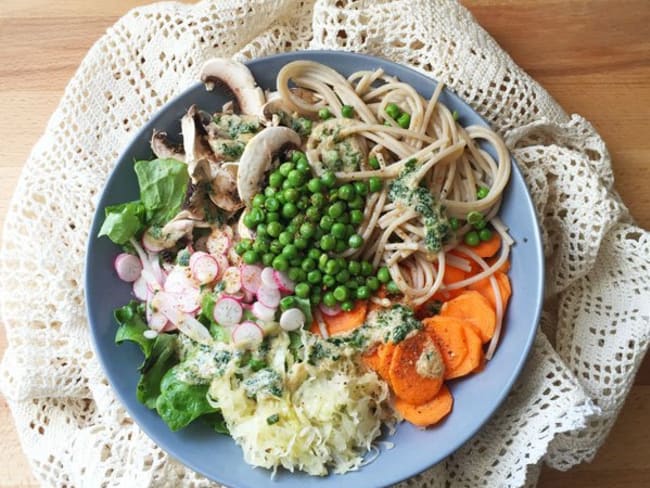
593, 56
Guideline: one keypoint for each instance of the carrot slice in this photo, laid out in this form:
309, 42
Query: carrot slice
474, 356
314, 328
453, 275
504, 268
346, 321
474, 308
371, 359
427, 413
484, 287
475, 268
406, 380
447, 333
489, 248
385, 355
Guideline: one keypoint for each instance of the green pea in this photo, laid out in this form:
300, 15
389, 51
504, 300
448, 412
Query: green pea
338, 230
332, 267
357, 203
336, 210
324, 113
343, 276
373, 162
404, 120
272, 217
366, 268
280, 263
482, 192
392, 288
322, 261
454, 223
355, 241
373, 283
329, 281
361, 187
326, 222
344, 219
347, 111
276, 179
472, 238
383, 274
474, 217
356, 216
296, 155
342, 262
314, 254
329, 179
267, 259
258, 200
274, 228
352, 285
288, 302
307, 229
242, 246
314, 277
285, 168
485, 234
347, 306
481, 224
318, 200
301, 243
291, 195
295, 261
315, 297
289, 210
455, 115
329, 299
290, 251
275, 247
261, 245
302, 290
340, 246
313, 214
257, 215
260, 230
393, 110
308, 264
327, 242
295, 178
303, 165
285, 237
354, 267
363, 293
375, 184
269, 191
346, 192
315, 185
251, 257
340, 293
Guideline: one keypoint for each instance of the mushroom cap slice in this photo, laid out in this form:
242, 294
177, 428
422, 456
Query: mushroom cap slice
164, 149
258, 156
239, 80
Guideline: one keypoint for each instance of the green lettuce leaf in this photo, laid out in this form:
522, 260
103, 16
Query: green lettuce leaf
305, 306
123, 221
179, 402
132, 326
163, 185
217, 422
162, 358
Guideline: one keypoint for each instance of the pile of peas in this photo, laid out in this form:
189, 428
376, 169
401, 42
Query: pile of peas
480, 231
302, 223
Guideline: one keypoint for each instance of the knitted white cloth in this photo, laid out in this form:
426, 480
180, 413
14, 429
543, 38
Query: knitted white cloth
596, 324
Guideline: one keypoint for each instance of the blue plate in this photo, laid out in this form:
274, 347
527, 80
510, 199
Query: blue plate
475, 398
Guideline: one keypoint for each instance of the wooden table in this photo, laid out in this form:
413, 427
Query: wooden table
592, 55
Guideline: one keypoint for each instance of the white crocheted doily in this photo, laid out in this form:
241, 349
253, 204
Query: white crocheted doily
596, 320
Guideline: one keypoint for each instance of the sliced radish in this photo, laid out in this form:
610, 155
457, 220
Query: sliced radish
330, 311
150, 243
204, 268
218, 243
188, 301
187, 324
179, 280
238, 297
251, 277
232, 279
247, 333
223, 263
128, 267
283, 282
228, 312
249, 297
267, 277
155, 319
269, 296
140, 288
263, 312
292, 319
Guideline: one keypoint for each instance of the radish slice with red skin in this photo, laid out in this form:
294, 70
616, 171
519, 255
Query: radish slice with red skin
205, 269
187, 324
188, 301
283, 282
218, 244
155, 319
232, 279
292, 319
238, 297
330, 311
269, 296
249, 297
251, 277
263, 312
128, 267
267, 277
140, 288
247, 333
223, 263
179, 280
227, 312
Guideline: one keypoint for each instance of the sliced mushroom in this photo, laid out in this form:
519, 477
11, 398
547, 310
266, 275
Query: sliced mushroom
281, 108
174, 230
257, 158
164, 149
238, 79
